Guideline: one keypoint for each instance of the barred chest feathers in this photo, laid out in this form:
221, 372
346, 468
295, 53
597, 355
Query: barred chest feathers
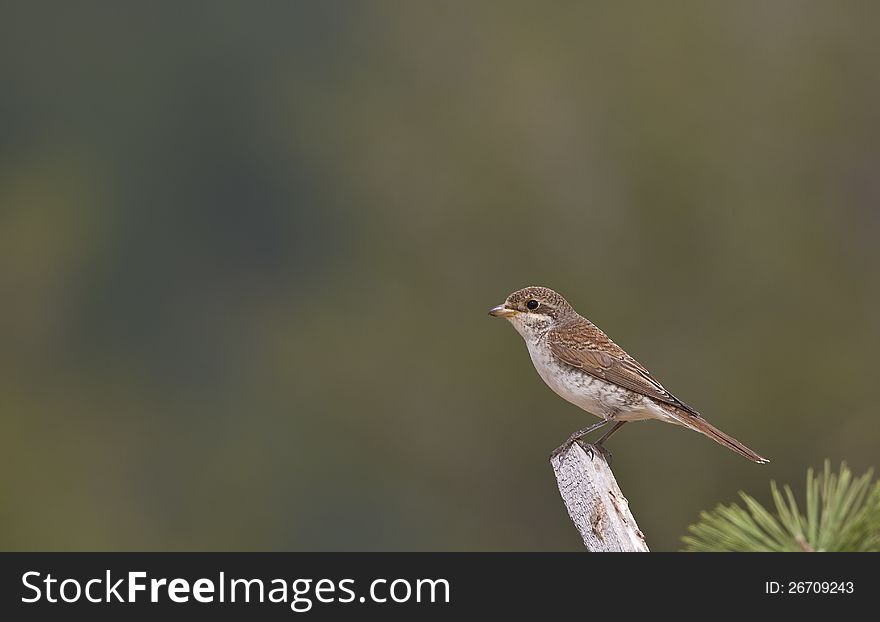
594, 395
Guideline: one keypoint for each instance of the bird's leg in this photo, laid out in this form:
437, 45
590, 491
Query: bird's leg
576, 437
600, 444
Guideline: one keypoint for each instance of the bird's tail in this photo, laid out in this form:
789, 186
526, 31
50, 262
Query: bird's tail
704, 427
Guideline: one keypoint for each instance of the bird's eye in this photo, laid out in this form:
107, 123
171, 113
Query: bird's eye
532, 304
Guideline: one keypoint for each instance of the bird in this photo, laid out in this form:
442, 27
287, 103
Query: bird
581, 364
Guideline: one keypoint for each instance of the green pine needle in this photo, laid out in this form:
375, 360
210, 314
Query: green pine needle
841, 514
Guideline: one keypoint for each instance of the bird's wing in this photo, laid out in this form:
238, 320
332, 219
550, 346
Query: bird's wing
619, 368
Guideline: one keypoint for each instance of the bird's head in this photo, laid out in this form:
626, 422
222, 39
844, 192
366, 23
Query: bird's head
534, 310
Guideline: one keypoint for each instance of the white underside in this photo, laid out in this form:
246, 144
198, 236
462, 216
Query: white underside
596, 396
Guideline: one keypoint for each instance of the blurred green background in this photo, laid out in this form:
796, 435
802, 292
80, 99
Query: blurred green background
247, 249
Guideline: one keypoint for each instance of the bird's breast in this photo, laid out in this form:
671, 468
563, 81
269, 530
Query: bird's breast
594, 395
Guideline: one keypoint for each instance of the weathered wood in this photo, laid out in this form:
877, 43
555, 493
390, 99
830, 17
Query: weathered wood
594, 502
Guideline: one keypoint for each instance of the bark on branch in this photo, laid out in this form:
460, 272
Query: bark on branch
594, 502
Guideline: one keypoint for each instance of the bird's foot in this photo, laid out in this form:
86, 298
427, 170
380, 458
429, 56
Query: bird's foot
591, 450
576, 438
561, 450
588, 448
606, 453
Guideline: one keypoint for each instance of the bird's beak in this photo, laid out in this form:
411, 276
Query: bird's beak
502, 311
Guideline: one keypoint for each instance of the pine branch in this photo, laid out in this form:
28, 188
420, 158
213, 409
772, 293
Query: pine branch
842, 514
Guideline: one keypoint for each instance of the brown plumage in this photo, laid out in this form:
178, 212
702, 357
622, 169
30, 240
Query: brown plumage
560, 339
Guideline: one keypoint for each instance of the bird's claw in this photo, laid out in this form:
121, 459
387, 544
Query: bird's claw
561, 450
588, 448
606, 454
591, 451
